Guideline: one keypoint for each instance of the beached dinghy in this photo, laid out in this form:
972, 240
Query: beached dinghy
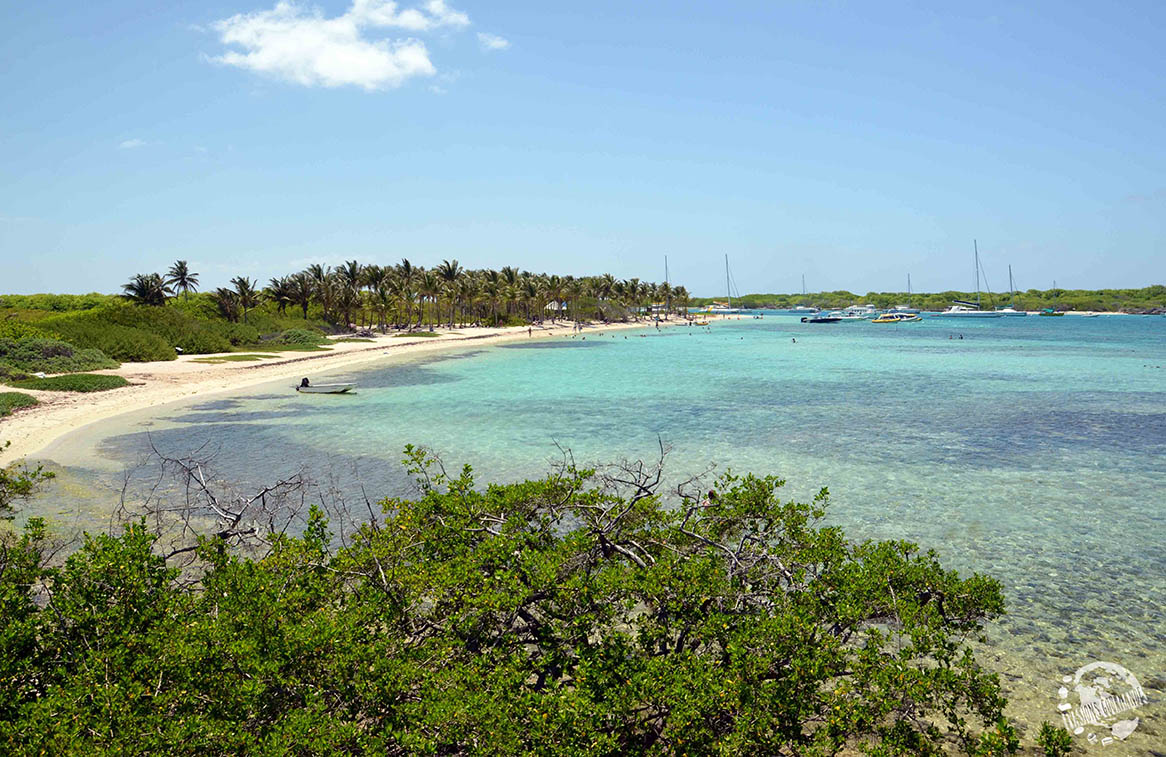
308, 388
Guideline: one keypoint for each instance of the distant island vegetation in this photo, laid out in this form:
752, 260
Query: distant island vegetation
1145, 300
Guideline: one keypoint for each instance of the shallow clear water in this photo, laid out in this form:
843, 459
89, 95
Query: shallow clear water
1033, 449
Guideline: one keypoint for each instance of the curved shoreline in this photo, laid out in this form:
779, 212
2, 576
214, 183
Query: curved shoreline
153, 385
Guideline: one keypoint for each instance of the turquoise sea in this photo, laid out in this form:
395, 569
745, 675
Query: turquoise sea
1033, 449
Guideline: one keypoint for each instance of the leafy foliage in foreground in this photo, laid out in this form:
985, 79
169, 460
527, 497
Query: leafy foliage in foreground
73, 382
10, 401
575, 615
16, 482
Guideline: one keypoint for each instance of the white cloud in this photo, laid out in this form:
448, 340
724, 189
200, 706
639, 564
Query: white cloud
492, 42
130, 144
301, 45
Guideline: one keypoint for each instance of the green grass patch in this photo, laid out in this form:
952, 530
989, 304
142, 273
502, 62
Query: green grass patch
417, 333
233, 358
73, 382
352, 339
272, 347
10, 401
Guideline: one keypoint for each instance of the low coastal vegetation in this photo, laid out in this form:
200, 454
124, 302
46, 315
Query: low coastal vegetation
42, 355
576, 614
73, 382
10, 401
158, 317
1146, 299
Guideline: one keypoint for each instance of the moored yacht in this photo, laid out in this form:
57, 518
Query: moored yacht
965, 309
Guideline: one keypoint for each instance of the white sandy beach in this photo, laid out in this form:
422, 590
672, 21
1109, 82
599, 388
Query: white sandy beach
31, 430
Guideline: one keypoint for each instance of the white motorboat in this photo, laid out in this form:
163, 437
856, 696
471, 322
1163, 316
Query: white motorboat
307, 388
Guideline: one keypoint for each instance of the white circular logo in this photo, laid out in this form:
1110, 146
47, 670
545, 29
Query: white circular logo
1097, 700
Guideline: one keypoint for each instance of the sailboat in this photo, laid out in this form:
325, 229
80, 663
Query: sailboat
965, 309
719, 308
1010, 309
906, 309
1053, 312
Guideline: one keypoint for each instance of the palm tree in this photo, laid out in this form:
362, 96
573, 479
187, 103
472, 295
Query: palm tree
181, 279
301, 291
321, 287
279, 292
349, 290
553, 289
574, 289
248, 296
681, 295
147, 289
228, 304
407, 276
450, 272
428, 287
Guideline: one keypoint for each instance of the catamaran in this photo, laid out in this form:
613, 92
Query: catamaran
965, 309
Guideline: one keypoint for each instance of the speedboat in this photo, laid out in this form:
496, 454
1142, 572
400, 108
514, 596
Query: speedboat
849, 315
860, 312
897, 318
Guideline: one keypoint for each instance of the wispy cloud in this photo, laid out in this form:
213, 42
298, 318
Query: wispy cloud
130, 144
490, 42
301, 45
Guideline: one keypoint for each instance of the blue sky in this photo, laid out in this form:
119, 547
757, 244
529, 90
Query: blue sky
853, 143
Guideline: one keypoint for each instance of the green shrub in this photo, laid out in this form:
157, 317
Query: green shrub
55, 302
239, 333
301, 337
51, 356
73, 382
10, 372
10, 328
122, 343
181, 327
553, 616
10, 401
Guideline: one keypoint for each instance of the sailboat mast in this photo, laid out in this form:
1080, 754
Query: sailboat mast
803, 285
1011, 288
976, 247
908, 285
728, 289
665, 269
